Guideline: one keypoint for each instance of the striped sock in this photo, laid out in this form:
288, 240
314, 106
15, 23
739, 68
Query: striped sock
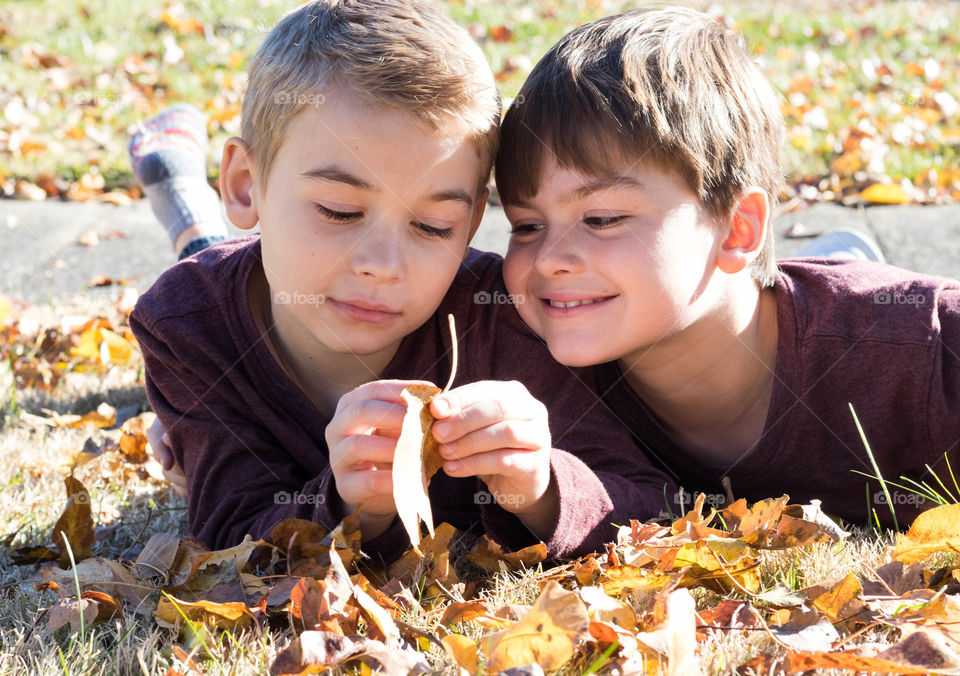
168, 154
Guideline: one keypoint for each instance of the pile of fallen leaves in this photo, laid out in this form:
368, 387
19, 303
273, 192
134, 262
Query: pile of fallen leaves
40, 354
629, 610
645, 605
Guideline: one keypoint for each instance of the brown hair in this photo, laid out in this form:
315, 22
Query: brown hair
668, 86
397, 54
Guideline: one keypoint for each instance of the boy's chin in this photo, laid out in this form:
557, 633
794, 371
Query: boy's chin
576, 355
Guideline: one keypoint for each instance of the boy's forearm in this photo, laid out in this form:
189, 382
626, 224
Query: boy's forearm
541, 517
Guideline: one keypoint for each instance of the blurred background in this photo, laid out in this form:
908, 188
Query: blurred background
870, 88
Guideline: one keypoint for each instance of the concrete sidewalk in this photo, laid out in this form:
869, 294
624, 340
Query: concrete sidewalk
41, 259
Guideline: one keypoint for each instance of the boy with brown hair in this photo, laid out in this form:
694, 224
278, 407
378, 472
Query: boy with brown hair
276, 362
638, 169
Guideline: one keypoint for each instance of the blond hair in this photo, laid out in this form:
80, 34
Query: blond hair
396, 54
668, 86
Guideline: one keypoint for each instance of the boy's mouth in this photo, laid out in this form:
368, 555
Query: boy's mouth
565, 307
364, 310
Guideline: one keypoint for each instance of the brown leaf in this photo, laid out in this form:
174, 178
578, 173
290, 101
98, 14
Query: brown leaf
416, 448
158, 554
729, 614
488, 554
75, 524
547, 635
94, 574
314, 649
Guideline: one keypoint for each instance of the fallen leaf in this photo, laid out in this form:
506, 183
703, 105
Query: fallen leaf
133, 442
233, 616
885, 193
463, 650
935, 530
75, 525
547, 635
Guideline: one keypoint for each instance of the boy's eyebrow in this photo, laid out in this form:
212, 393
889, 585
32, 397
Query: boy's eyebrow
454, 195
333, 173
602, 184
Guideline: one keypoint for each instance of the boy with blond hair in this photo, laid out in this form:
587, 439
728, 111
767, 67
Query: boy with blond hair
638, 169
276, 362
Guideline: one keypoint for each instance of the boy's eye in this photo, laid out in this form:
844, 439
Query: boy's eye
429, 230
525, 228
338, 215
603, 221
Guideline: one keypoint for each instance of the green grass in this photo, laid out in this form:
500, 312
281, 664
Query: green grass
65, 121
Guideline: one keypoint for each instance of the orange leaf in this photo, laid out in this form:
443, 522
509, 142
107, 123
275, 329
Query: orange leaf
133, 443
936, 530
463, 650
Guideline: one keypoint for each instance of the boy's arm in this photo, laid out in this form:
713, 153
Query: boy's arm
601, 478
240, 480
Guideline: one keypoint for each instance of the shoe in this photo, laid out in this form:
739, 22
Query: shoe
844, 243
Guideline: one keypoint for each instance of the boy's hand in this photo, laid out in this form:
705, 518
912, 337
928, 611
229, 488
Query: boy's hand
499, 432
172, 472
362, 438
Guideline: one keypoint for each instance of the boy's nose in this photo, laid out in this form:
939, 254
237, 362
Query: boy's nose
379, 255
557, 254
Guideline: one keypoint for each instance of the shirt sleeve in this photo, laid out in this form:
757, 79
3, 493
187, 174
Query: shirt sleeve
943, 408
241, 480
603, 480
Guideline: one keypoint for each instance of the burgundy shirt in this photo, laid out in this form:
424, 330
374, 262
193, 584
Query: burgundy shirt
251, 443
883, 339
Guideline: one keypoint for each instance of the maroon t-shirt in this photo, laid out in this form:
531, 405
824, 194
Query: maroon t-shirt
883, 339
251, 443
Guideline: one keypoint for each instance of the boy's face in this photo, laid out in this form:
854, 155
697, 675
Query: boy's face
610, 267
364, 223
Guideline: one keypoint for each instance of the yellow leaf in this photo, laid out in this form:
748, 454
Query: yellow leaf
229, 616
105, 346
885, 193
546, 635
936, 530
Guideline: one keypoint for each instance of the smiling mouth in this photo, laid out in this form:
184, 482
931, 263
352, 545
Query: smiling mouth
575, 303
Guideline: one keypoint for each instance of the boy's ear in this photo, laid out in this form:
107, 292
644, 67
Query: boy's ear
746, 233
238, 184
478, 208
